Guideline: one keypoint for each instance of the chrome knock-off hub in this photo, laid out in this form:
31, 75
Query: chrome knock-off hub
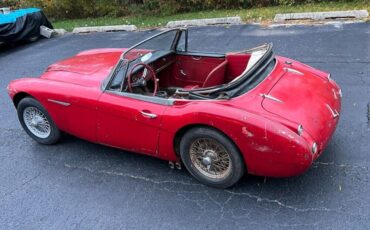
210, 158
206, 161
36, 122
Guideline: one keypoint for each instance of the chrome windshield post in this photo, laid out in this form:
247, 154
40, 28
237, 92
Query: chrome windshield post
124, 64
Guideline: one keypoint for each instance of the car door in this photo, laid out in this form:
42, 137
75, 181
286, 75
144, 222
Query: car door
131, 122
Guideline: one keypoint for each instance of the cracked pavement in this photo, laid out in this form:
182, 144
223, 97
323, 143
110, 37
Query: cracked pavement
80, 185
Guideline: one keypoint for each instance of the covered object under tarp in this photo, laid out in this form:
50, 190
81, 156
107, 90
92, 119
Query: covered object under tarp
22, 24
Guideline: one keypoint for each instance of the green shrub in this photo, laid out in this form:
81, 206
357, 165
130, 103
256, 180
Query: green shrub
62, 9
13, 4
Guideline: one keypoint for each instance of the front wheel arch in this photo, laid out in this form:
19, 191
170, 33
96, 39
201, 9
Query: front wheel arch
19, 96
54, 134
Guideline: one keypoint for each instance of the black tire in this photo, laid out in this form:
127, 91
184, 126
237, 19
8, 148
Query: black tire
193, 137
53, 135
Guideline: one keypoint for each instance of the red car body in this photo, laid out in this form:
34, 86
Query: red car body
264, 123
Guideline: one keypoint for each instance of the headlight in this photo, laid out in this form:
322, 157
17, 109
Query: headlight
314, 148
300, 130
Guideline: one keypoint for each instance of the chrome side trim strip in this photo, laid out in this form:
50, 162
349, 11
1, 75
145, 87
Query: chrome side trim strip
334, 113
335, 94
271, 97
59, 102
340, 93
293, 71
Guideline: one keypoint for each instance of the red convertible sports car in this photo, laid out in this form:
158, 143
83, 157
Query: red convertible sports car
221, 115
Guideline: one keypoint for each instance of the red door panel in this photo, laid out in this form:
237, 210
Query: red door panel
128, 123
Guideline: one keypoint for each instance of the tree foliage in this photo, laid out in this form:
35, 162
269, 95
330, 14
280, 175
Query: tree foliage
62, 9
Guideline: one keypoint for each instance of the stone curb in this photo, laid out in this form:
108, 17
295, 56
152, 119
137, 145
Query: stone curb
358, 14
60, 32
279, 18
104, 29
205, 22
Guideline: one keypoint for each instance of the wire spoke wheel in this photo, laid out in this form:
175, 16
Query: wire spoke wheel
36, 122
210, 158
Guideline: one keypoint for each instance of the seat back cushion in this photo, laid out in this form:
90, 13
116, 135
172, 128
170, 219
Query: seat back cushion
192, 70
237, 62
216, 76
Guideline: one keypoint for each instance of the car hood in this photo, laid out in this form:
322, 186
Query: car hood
306, 96
88, 62
88, 68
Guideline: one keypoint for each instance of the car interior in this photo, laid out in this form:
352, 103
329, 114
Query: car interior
190, 72
177, 73
185, 72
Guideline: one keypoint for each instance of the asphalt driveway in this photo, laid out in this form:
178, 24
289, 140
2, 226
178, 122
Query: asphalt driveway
80, 185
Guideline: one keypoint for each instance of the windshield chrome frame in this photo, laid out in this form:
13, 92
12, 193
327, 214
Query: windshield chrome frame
116, 68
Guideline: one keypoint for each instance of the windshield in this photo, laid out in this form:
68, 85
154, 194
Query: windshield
143, 52
161, 42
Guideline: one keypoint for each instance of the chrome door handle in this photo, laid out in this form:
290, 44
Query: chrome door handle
182, 72
148, 115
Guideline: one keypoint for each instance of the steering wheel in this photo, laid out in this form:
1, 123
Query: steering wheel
142, 81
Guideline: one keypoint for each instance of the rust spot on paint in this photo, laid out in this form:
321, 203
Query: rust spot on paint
246, 132
284, 133
265, 132
263, 148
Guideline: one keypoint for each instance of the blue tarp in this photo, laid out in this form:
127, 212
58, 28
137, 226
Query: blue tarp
12, 17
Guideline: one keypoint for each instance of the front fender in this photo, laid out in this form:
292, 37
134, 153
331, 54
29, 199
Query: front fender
72, 107
41, 90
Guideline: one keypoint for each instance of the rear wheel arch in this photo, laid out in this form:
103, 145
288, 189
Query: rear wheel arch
226, 165
182, 131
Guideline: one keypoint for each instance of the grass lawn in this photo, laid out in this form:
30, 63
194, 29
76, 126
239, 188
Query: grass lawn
264, 14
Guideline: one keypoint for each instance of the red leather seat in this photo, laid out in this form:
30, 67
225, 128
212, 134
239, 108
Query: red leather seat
237, 64
216, 76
